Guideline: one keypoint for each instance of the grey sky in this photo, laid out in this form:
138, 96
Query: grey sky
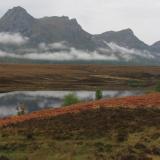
97, 16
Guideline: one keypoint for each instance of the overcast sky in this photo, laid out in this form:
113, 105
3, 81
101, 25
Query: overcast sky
97, 16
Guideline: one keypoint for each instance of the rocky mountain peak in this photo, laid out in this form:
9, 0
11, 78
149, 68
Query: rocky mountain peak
16, 9
127, 31
16, 13
16, 20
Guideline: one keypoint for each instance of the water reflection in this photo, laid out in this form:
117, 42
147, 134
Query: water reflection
42, 99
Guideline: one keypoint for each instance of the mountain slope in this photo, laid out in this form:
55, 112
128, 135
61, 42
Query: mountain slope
64, 29
156, 46
125, 38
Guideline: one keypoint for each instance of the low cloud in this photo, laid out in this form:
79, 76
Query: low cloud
12, 38
61, 51
73, 54
129, 54
54, 46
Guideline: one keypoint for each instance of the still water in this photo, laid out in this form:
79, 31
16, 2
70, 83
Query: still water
37, 100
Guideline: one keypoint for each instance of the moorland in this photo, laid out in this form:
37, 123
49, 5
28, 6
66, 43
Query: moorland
17, 77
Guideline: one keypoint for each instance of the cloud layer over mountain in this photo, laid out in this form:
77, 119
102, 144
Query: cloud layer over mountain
12, 38
65, 53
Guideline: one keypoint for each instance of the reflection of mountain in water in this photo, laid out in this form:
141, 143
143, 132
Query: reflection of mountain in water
42, 99
9, 103
116, 94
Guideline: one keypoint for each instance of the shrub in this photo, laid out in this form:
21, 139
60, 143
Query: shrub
70, 99
157, 89
99, 94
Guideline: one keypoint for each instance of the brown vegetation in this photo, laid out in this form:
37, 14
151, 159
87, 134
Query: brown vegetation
73, 77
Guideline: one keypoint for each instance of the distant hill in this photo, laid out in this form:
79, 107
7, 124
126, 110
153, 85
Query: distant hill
62, 39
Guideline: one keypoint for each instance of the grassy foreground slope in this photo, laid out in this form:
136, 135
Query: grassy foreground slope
121, 129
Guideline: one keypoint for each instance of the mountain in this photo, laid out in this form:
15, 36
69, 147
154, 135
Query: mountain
156, 46
47, 29
63, 39
125, 38
17, 20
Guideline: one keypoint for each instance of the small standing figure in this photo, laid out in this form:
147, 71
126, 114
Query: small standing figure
22, 109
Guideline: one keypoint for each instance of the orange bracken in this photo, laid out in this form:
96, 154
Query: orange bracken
149, 100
